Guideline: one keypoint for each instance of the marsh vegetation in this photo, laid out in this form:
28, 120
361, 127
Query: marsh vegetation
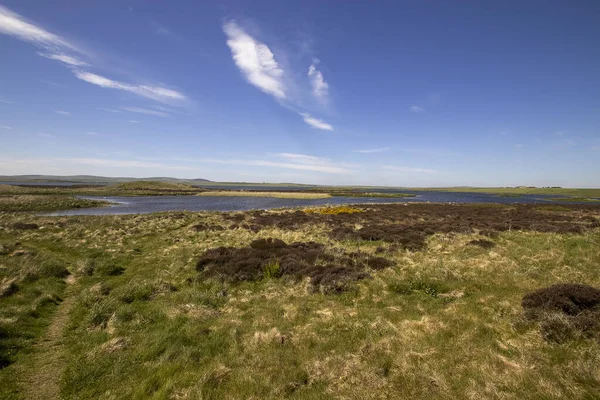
370, 301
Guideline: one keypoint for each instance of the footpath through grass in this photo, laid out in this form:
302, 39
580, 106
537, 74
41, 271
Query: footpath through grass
144, 320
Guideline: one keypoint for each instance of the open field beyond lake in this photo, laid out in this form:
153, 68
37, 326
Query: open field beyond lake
361, 301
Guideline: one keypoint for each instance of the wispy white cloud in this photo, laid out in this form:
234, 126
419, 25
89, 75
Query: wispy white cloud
410, 170
316, 123
102, 162
416, 109
147, 111
303, 158
5, 127
52, 83
162, 30
112, 110
255, 60
320, 88
197, 165
45, 135
292, 161
58, 48
330, 169
133, 121
5, 101
91, 133
366, 151
61, 112
70, 60
157, 93
17, 26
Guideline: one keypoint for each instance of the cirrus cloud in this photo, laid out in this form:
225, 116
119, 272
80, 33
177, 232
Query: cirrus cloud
70, 60
316, 123
17, 26
410, 170
320, 88
146, 111
255, 60
157, 93
368, 151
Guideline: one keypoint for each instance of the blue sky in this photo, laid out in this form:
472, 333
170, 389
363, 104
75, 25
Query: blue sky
403, 93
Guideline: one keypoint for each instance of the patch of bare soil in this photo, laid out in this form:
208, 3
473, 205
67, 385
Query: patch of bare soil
328, 271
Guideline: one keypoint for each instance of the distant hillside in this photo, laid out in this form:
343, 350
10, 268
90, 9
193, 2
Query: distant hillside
90, 179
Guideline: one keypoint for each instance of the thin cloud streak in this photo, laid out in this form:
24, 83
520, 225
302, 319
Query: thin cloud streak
316, 123
5, 127
146, 111
151, 92
137, 163
56, 47
70, 60
368, 151
61, 112
410, 170
330, 169
17, 26
303, 158
101, 162
416, 109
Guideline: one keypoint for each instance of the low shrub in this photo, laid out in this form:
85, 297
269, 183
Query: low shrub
271, 258
23, 226
568, 298
564, 311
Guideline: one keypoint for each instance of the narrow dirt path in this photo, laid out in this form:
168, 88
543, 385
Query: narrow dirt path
42, 379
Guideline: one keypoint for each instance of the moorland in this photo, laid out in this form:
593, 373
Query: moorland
359, 302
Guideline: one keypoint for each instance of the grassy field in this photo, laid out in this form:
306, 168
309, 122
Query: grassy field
581, 193
140, 307
278, 195
16, 199
580, 199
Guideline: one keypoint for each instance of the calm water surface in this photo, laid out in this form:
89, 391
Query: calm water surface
150, 204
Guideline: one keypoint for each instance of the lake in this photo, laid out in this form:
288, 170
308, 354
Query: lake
150, 204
